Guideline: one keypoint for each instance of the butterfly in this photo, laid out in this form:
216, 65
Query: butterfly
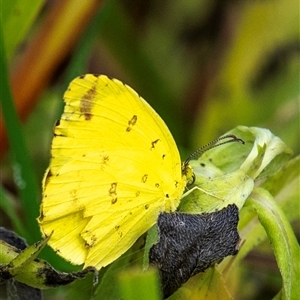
114, 168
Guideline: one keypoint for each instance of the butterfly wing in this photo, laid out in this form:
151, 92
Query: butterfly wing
114, 166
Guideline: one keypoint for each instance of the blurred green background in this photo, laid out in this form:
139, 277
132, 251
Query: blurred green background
204, 66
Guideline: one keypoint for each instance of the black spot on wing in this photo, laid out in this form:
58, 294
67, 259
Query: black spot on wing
113, 192
131, 123
154, 143
87, 103
144, 178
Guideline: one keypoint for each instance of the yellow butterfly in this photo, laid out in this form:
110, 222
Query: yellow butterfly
114, 167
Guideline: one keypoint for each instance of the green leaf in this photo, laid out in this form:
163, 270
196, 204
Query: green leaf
20, 261
17, 16
269, 153
24, 175
284, 186
26, 268
282, 238
136, 285
80, 289
6, 205
216, 193
152, 238
106, 289
206, 286
226, 174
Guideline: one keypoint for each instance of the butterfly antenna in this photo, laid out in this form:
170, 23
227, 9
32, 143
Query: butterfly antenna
215, 143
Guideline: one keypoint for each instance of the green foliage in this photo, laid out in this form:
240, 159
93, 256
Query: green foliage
264, 153
282, 239
17, 16
252, 79
265, 29
24, 267
135, 285
22, 165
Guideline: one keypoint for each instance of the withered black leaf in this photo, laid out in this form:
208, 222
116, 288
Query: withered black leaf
190, 243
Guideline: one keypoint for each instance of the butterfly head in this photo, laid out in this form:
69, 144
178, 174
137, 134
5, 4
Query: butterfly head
188, 172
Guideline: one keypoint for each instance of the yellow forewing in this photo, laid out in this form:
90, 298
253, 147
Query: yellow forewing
114, 167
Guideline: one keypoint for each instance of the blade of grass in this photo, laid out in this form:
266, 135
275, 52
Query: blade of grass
5, 204
23, 171
135, 284
18, 16
282, 238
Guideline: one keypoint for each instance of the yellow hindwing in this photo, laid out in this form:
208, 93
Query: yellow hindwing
114, 166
